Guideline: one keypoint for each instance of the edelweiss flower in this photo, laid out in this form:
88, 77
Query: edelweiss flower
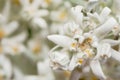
31, 12
91, 45
7, 28
37, 48
14, 44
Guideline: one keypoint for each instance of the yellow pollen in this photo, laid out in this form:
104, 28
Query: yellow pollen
15, 49
73, 44
16, 2
62, 15
2, 33
89, 40
88, 52
80, 61
48, 1
36, 48
83, 46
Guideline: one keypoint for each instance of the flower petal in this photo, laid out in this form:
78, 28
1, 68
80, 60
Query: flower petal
76, 11
11, 27
111, 42
104, 14
61, 40
115, 54
105, 28
96, 68
6, 10
103, 50
40, 22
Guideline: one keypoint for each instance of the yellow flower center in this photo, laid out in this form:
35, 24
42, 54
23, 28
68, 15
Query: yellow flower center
36, 48
74, 45
48, 1
89, 53
15, 49
2, 33
62, 15
80, 61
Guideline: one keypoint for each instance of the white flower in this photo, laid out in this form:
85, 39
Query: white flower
14, 44
6, 27
31, 11
45, 71
93, 44
6, 67
59, 15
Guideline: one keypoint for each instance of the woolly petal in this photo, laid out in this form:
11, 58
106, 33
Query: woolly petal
104, 14
60, 57
96, 68
73, 63
111, 42
76, 74
103, 50
105, 28
76, 11
115, 54
61, 40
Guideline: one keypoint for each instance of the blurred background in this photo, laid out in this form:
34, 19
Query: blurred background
24, 27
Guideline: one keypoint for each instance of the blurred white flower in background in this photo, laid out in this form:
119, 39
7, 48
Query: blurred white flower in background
30, 11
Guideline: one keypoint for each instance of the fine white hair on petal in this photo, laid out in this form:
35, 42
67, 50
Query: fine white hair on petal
104, 14
61, 40
115, 54
97, 70
60, 57
105, 28
103, 50
76, 11
111, 42
73, 63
